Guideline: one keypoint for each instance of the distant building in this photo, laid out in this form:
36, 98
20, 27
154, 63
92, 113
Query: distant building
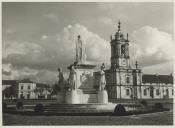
157, 86
25, 89
125, 82
42, 91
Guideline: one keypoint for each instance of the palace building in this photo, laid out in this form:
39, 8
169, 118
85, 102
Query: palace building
125, 82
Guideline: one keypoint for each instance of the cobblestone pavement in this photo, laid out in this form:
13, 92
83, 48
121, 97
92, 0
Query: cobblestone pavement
161, 118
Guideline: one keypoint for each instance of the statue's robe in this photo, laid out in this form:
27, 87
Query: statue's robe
72, 79
102, 80
80, 51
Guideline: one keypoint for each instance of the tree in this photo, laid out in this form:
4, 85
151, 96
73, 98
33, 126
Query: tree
55, 89
10, 92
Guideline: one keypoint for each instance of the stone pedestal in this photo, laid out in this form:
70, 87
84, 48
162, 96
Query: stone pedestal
61, 97
103, 97
72, 97
84, 76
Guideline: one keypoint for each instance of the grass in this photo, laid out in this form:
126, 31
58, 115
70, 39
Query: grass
161, 118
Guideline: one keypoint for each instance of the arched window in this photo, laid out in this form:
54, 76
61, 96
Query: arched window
127, 79
167, 92
127, 92
123, 49
157, 92
172, 92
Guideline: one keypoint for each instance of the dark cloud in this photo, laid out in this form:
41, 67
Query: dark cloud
7, 73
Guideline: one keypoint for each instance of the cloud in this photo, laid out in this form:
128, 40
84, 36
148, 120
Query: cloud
8, 31
21, 48
95, 45
53, 51
162, 68
151, 46
40, 60
51, 17
105, 21
44, 37
7, 73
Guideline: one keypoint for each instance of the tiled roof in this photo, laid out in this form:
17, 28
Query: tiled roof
26, 81
149, 78
9, 82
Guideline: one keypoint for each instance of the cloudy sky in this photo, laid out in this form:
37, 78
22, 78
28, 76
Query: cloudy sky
39, 37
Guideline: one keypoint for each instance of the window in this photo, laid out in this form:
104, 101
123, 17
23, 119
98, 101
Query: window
21, 96
172, 92
29, 87
127, 80
122, 49
145, 92
127, 92
157, 91
21, 87
167, 92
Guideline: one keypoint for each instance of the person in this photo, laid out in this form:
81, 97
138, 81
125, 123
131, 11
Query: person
72, 78
102, 79
80, 51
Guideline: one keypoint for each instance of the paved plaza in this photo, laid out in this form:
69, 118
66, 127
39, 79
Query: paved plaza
161, 118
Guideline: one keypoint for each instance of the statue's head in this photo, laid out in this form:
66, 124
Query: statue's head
60, 69
72, 67
102, 66
78, 36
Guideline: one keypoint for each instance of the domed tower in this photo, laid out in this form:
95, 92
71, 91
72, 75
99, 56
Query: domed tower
119, 50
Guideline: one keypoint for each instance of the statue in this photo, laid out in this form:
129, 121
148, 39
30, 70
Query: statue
102, 93
61, 81
102, 79
80, 51
72, 78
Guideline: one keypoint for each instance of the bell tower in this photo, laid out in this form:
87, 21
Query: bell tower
119, 50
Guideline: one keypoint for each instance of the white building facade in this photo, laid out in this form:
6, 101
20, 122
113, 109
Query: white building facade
125, 82
26, 90
31, 90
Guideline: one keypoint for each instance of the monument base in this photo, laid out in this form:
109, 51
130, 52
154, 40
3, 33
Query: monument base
72, 97
103, 97
61, 97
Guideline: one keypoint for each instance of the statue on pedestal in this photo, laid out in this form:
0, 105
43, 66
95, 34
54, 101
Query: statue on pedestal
102, 78
80, 51
102, 93
72, 78
61, 81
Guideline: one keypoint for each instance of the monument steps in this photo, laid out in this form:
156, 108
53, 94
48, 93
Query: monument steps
62, 107
72, 108
69, 110
76, 105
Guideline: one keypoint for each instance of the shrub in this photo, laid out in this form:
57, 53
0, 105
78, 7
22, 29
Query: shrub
119, 110
39, 108
144, 103
19, 105
4, 106
158, 106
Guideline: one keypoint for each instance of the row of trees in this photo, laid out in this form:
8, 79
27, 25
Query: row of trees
10, 92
